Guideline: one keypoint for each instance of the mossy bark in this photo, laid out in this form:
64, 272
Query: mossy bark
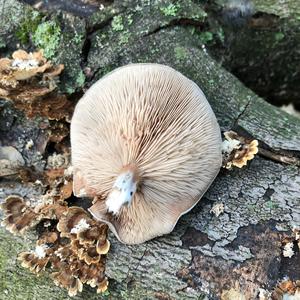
260, 44
204, 255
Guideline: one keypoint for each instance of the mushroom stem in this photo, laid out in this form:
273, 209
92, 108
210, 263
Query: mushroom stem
123, 190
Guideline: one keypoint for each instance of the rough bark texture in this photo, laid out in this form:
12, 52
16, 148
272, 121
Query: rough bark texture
204, 255
256, 38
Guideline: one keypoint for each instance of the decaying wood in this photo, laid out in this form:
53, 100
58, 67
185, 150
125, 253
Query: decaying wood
205, 254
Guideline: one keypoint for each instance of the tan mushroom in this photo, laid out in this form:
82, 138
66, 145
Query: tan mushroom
146, 144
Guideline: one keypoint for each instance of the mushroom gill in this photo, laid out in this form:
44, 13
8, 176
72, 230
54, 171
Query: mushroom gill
146, 145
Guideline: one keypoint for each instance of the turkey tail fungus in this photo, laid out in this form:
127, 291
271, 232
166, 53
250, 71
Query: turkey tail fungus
146, 146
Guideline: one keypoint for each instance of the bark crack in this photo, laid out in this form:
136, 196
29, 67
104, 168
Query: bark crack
177, 22
235, 123
128, 275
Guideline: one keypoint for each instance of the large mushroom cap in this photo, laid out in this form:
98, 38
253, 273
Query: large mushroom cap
152, 120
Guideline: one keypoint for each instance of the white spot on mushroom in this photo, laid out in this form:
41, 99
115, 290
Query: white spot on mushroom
81, 226
229, 145
122, 192
25, 64
40, 251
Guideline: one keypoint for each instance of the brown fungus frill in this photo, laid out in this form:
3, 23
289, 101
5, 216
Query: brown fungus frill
237, 150
74, 248
146, 144
30, 81
67, 280
88, 237
70, 245
37, 260
81, 254
22, 66
18, 215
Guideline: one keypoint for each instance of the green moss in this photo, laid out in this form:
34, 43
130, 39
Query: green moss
124, 38
106, 294
69, 89
211, 82
28, 26
283, 9
271, 205
192, 30
180, 53
221, 35
106, 69
80, 80
47, 37
279, 36
170, 10
79, 83
78, 38
117, 23
206, 37
129, 19
124, 294
2, 43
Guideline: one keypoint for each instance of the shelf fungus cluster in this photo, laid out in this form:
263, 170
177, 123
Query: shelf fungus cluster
18, 215
237, 150
71, 243
30, 81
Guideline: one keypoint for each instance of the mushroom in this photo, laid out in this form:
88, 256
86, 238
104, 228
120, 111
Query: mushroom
19, 217
146, 145
73, 221
237, 150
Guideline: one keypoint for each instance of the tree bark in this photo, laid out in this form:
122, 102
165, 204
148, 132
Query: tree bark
205, 255
260, 44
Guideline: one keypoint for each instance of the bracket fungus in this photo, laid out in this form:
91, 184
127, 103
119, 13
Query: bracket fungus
146, 146
237, 150
19, 216
72, 244
30, 82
